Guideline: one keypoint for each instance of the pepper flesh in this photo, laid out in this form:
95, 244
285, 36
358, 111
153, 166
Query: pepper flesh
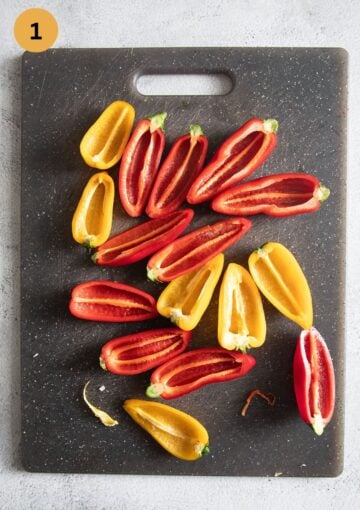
106, 301
142, 351
104, 142
193, 369
274, 195
140, 163
191, 251
241, 322
92, 220
280, 278
185, 300
177, 432
138, 242
238, 157
183, 163
314, 380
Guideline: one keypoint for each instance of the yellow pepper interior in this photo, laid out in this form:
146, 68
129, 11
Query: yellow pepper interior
103, 144
179, 433
241, 320
281, 280
92, 219
186, 298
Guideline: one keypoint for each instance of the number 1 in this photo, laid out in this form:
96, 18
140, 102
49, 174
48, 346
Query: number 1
36, 31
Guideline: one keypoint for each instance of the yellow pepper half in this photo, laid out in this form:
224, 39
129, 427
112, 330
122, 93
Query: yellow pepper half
241, 321
179, 433
92, 220
103, 144
280, 278
186, 298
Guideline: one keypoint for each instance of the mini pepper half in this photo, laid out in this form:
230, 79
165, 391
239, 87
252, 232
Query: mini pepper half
185, 300
314, 380
140, 163
177, 432
280, 278
103, 144
241, 322
92, 220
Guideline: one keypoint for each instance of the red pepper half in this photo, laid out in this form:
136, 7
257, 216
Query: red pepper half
275, 195
238, 157
195, 249
183, 163
102, 300
138, 242
193, 369
140, 163
139, 352
314, 380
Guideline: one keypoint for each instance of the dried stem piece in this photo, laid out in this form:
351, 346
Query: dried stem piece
269, 397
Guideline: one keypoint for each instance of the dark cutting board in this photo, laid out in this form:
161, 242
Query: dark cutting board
64, 91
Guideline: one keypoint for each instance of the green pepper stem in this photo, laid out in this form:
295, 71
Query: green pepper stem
157, 121
322, 193
271, 125
205, 450
154, 390
102, 363
195, 130
151, 275
318, 425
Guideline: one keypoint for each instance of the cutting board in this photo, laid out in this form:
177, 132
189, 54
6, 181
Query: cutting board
64, 91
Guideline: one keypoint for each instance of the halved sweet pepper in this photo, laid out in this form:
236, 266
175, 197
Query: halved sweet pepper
275, 195
238, 157
191, 251
279, 277
104, 142
92, 220
183, 163
141, 351
140, 163
106, 301
177, 432
191, 370
138, 242
314, 380
241, 321
185, 299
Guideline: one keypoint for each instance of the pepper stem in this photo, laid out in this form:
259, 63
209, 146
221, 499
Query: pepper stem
205, 450
318, 425
271, 125
151, 275
195, 130
154, 390
322, 193
102, 363
157, 121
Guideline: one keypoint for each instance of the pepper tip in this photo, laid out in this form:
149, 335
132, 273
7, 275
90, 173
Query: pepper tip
153, 391
205, 450
151, 275
102, 363
157, 121
271, 125
196, 130
318, 425
322, 193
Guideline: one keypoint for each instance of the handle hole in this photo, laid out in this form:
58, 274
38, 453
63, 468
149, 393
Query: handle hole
216, 84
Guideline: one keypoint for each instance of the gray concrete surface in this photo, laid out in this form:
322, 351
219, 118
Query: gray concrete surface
170, 23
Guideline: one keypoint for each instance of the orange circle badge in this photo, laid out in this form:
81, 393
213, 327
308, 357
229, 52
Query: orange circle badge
36, 30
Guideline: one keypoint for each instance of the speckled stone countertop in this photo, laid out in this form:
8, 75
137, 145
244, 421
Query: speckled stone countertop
227, 23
